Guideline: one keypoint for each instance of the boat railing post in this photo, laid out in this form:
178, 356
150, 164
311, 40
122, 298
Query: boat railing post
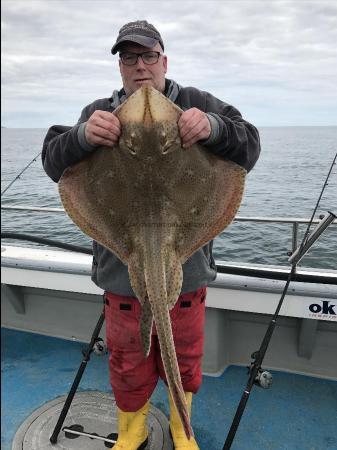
295, 239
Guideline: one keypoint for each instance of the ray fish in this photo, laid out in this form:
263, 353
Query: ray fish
153, 204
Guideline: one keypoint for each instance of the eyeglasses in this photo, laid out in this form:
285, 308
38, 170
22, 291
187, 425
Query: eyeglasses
130, 59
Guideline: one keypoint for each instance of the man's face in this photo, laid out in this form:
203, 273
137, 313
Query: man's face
135, 76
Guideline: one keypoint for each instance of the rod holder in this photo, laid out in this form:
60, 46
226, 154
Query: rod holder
298, 254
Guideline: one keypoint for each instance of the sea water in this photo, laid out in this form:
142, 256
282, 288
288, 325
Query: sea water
286, 182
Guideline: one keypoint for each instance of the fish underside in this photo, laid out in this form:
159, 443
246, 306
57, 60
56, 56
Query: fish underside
153, 204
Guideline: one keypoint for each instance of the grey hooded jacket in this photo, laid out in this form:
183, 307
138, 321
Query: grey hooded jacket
231, 137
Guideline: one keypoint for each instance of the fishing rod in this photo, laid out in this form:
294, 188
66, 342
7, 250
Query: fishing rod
19, 175
44, 241
37, 239
95, 344
257, 375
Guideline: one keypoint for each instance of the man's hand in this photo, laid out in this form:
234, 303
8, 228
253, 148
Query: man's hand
193, 126
102, 128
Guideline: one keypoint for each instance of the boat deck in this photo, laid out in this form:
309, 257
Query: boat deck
298, 412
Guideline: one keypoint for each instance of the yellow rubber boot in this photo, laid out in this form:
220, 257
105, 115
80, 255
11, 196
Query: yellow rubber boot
176, 427
132, 429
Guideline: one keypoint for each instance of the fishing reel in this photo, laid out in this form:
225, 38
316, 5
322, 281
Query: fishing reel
99, 347
263, 378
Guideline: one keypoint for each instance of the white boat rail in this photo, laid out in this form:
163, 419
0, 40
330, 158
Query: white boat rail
295, 221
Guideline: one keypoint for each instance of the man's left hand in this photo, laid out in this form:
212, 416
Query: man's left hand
193, 126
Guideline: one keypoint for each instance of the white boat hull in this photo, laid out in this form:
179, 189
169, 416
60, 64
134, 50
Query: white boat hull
51, 292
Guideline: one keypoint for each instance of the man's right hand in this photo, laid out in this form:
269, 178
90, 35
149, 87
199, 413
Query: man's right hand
103, 128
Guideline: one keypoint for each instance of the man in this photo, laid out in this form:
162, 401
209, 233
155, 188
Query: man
222, 130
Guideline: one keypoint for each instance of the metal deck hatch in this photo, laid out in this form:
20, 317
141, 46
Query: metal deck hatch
91, 412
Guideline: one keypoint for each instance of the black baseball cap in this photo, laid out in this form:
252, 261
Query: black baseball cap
141, 32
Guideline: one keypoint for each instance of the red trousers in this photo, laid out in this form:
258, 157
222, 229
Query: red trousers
133, 377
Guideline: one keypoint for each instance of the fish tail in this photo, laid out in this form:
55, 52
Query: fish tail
146, 320
164, 332
157, 295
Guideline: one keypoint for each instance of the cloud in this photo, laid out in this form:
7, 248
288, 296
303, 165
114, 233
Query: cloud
274, 60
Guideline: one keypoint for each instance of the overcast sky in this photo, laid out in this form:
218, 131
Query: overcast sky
275, 60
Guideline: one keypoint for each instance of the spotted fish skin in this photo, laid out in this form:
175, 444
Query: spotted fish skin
146, 322
155, 271
153, 204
